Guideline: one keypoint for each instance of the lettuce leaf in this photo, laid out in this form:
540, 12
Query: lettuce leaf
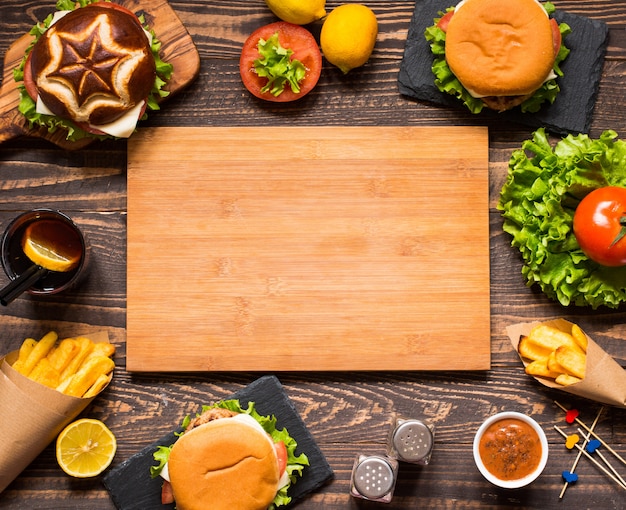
295, 463
544, 186
447, 82
51, 123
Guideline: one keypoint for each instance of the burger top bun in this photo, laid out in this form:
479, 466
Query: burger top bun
93, 65
224, 464
500, 47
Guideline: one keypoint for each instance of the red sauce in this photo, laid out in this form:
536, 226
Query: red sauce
510, 449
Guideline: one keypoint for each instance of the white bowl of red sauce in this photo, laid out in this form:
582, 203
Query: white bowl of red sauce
510, 450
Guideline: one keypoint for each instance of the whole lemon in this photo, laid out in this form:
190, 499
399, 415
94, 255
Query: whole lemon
348, 36
298, 12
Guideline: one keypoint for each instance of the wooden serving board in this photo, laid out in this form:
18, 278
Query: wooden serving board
356, 248
177, 48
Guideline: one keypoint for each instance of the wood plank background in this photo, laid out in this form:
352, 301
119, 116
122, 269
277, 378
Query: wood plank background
348, 413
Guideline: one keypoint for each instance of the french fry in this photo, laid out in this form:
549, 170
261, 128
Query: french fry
75, 366
572, 361
46, 374
101, 349
579, 337
88, 374
85, 347
97, 386
532, 350
61, 357
38, 352
25, 349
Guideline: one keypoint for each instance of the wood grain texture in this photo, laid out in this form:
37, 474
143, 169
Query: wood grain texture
347, 243
347, 412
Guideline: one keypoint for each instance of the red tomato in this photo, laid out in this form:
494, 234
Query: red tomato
556, 36
445, 19
167, 494
281, 453
290, 36
600, 225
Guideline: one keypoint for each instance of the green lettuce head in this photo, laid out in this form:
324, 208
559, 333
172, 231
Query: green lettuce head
544, 186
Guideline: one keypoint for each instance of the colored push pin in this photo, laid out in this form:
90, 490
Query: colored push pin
571, 415
571, 441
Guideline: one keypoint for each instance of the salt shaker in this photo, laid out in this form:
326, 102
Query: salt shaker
411, 441
374, 478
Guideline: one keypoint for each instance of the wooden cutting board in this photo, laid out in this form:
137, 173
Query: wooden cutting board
356, 248
177, 48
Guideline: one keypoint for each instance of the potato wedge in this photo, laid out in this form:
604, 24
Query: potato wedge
572, 360
579, 337
531, 350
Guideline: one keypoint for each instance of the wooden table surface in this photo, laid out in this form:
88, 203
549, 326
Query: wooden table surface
347, 413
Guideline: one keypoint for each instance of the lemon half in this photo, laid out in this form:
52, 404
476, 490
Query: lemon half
299, 12
85, 448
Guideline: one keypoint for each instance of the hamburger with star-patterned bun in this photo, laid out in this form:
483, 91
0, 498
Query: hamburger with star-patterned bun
93, 70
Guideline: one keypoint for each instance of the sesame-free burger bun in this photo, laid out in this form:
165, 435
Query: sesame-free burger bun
223, 465
500, 47
93, 65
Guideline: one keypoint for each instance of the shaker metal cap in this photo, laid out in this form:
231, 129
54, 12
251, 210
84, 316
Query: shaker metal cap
373, 477
413, 440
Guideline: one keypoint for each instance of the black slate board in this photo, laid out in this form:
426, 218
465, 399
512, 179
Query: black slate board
131, 487
572, 110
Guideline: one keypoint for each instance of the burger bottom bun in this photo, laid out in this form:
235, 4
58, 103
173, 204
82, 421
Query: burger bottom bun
500, 47
223, 465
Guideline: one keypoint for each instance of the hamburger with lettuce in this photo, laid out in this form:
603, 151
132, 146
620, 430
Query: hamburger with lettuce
229, 458
498, 53
93, 69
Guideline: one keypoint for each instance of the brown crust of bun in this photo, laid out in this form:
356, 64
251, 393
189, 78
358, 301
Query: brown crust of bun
223, 465
500, 47
93, 65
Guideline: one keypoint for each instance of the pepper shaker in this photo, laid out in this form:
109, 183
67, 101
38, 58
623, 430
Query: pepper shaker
411, 441
374, 478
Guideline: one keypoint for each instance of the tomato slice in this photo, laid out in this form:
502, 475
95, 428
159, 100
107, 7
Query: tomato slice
556, 36
445, 19
167, 494
600, 226
292, 37
281, 453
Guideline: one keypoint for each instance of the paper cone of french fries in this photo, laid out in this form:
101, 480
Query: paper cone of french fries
605, 379
31, 416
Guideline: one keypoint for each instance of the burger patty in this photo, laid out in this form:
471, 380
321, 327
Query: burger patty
214, 413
